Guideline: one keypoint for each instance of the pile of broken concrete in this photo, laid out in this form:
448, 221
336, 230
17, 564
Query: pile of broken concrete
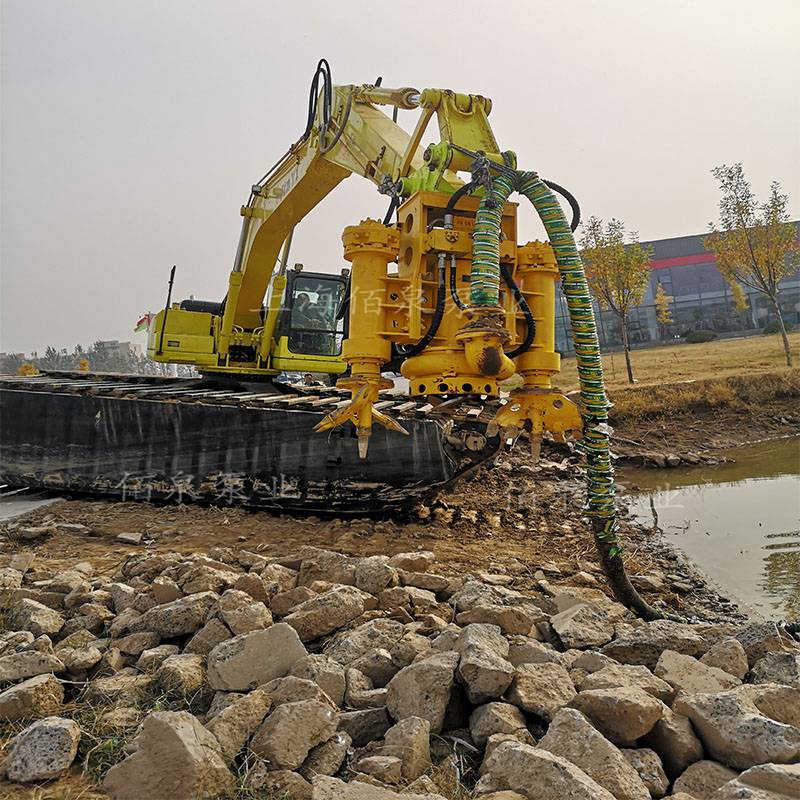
320, 675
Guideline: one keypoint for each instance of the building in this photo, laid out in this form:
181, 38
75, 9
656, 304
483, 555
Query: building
702, 300
121, 349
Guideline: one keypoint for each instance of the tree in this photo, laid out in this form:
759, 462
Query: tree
618, 272
662, 302
755, 244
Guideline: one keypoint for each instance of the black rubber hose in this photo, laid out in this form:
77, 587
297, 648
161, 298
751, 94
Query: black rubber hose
453, 288
570, 198
323, 71
530, 322
416, 349
393, 206
457, 195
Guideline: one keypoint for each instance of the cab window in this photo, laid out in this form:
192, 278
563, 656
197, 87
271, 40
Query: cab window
313, 327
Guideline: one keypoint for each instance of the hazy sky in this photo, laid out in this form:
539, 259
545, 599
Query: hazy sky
131, 132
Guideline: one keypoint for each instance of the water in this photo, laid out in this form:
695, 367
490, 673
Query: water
739, 522
15, 505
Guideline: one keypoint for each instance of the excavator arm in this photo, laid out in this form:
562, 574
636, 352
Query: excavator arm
358, 139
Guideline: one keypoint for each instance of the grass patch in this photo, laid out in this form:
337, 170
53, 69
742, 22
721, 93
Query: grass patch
738, 392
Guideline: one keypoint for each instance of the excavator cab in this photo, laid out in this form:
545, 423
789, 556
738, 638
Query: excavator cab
308, 335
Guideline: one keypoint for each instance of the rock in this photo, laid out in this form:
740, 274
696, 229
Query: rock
377, 633
251, 659
777, 667
182, 674
125, 687
687, 674
326, 758
178, 618
26, 664
373, 574
541, 689
767, 782
645, 644
409, 741
150, 660
622, 715
583, 626
727, 654
540, 775
285, 578
43, 751
79, 659
287, 735
280, 783
327, 612
493, 718
37, 618
326, 788
291, 690
324, 565
420, 561
122, 596
631, 675
165, 590
121, 718
129, 538
135, 644
328, 674
237, 722
650, 769
573, 738
242, 614
386, 769
283, 602
39, 696
208, 637
485, 674
526, 650
703, 778
520, 620
377, 665
746, 726
175, 757
255, 586
675, 741
364, 726
761, 638
422, 689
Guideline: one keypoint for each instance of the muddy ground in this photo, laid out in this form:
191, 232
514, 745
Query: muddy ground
511, 516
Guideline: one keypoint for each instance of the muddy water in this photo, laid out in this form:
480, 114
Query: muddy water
739, 522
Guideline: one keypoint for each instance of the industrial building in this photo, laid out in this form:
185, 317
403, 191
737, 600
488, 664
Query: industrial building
701, 300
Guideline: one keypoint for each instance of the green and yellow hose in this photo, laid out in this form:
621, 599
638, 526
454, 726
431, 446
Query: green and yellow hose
485, 276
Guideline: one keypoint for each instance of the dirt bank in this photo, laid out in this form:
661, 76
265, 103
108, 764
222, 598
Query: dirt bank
704, 416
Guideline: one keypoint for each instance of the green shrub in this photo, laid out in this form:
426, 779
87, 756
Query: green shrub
696, 337
774, 327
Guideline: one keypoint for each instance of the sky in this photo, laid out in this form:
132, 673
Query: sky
131, 132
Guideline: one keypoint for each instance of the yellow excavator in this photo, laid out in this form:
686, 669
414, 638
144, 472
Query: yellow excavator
438, 291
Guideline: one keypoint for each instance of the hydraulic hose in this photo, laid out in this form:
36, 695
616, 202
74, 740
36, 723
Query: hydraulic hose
570, 198
530, 322
456, 196
485, 273
433, 328
600, 504
453, 287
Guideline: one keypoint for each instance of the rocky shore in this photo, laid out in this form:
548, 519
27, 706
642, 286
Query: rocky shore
318, 674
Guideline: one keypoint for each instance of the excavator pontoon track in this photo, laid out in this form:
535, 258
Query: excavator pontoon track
167, 439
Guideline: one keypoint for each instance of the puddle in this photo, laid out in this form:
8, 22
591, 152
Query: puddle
15, 505
739, 522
